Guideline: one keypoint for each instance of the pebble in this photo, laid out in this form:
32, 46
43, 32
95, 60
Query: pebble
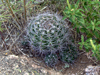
92, 70
26, 73
43, 71
12, 57
90, 66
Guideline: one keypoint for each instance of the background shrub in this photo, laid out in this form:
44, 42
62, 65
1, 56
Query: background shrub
84, 15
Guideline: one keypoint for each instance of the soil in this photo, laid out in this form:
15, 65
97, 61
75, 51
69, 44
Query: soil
21, 65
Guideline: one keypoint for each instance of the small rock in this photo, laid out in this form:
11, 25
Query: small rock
26, 73
92, 70
43, 71
12, 57
90, 66
87, 70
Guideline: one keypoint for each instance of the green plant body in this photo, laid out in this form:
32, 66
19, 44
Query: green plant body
49, 37
84, 14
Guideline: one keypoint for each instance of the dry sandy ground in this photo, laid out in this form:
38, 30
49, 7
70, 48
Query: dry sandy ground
22, 65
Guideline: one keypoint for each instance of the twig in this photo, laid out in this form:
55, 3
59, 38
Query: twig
25, 10
17, 39
13, 15
7, 36
2, 37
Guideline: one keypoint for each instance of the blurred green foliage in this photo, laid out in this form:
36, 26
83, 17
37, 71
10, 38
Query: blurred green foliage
85, 17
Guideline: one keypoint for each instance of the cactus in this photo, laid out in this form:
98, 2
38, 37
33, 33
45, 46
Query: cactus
69, 54
48, 34
51, 60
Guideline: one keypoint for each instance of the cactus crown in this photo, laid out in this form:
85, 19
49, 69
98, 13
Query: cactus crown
48, 34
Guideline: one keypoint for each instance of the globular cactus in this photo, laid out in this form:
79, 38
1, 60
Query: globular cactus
51, 60
69, 54
48, 34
